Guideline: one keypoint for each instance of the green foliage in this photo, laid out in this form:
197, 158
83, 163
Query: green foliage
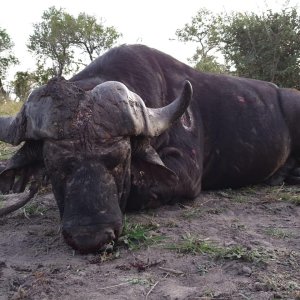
33, 209
204, 31
278, 233
289, 194
193, 245
23, 84
264, 46
208, 63
93, 37
6, 57
59, 36
137, 235
52, 39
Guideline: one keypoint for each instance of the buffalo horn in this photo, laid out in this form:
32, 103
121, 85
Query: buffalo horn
160, 119
15, 201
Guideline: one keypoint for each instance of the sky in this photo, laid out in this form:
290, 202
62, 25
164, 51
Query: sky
152, 22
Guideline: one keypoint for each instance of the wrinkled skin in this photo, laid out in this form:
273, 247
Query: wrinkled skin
89, 185
85, 142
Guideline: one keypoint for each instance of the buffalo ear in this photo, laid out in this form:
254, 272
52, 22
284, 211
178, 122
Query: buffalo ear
146, 159
151, 179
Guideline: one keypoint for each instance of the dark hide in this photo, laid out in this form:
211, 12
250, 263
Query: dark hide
105, 151
236, 132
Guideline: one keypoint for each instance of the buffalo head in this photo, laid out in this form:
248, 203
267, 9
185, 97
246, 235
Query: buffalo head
85, 142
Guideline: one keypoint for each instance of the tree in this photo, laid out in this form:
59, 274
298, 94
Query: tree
264, 46
52, 40
59, 36
24, 82
92, 37
7, 59
204, 31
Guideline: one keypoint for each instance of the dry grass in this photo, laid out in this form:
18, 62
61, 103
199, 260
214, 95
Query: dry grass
10, 107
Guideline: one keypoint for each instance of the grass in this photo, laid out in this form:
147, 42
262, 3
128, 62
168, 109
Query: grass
278, 233
196, 212
192, 245
283, 193
278, 282
6, 150
136, 236
9, 108
33, 209
289, 195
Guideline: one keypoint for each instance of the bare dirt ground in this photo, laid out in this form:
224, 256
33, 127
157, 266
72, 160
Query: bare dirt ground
242, 244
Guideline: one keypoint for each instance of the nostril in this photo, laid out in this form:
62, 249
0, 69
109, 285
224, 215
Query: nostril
110, 234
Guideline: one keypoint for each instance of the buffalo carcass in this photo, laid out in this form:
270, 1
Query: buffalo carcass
112, 138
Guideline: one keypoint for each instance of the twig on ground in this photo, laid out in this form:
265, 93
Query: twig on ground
176, 272
154, 285
113, 286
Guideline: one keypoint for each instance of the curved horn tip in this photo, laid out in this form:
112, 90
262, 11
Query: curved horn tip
188, 88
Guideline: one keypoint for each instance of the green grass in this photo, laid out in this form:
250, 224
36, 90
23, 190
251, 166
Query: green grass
289, 196
191, 213
33, 209
278, 233
241, 195
284, 193
192, 245
136, 236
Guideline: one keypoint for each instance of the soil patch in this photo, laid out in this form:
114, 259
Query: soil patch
227, 244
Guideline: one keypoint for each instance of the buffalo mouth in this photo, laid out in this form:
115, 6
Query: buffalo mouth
91, 238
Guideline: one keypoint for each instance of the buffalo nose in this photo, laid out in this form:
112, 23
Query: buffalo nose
88, 240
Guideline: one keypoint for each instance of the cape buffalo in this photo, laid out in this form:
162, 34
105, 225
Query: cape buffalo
112, 138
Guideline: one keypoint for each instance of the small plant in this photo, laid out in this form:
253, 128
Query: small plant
202, 269
278, 282
32, 209
289, 194
240, 253
193, 245
277, 233
192, 212
138, 235
293, 198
